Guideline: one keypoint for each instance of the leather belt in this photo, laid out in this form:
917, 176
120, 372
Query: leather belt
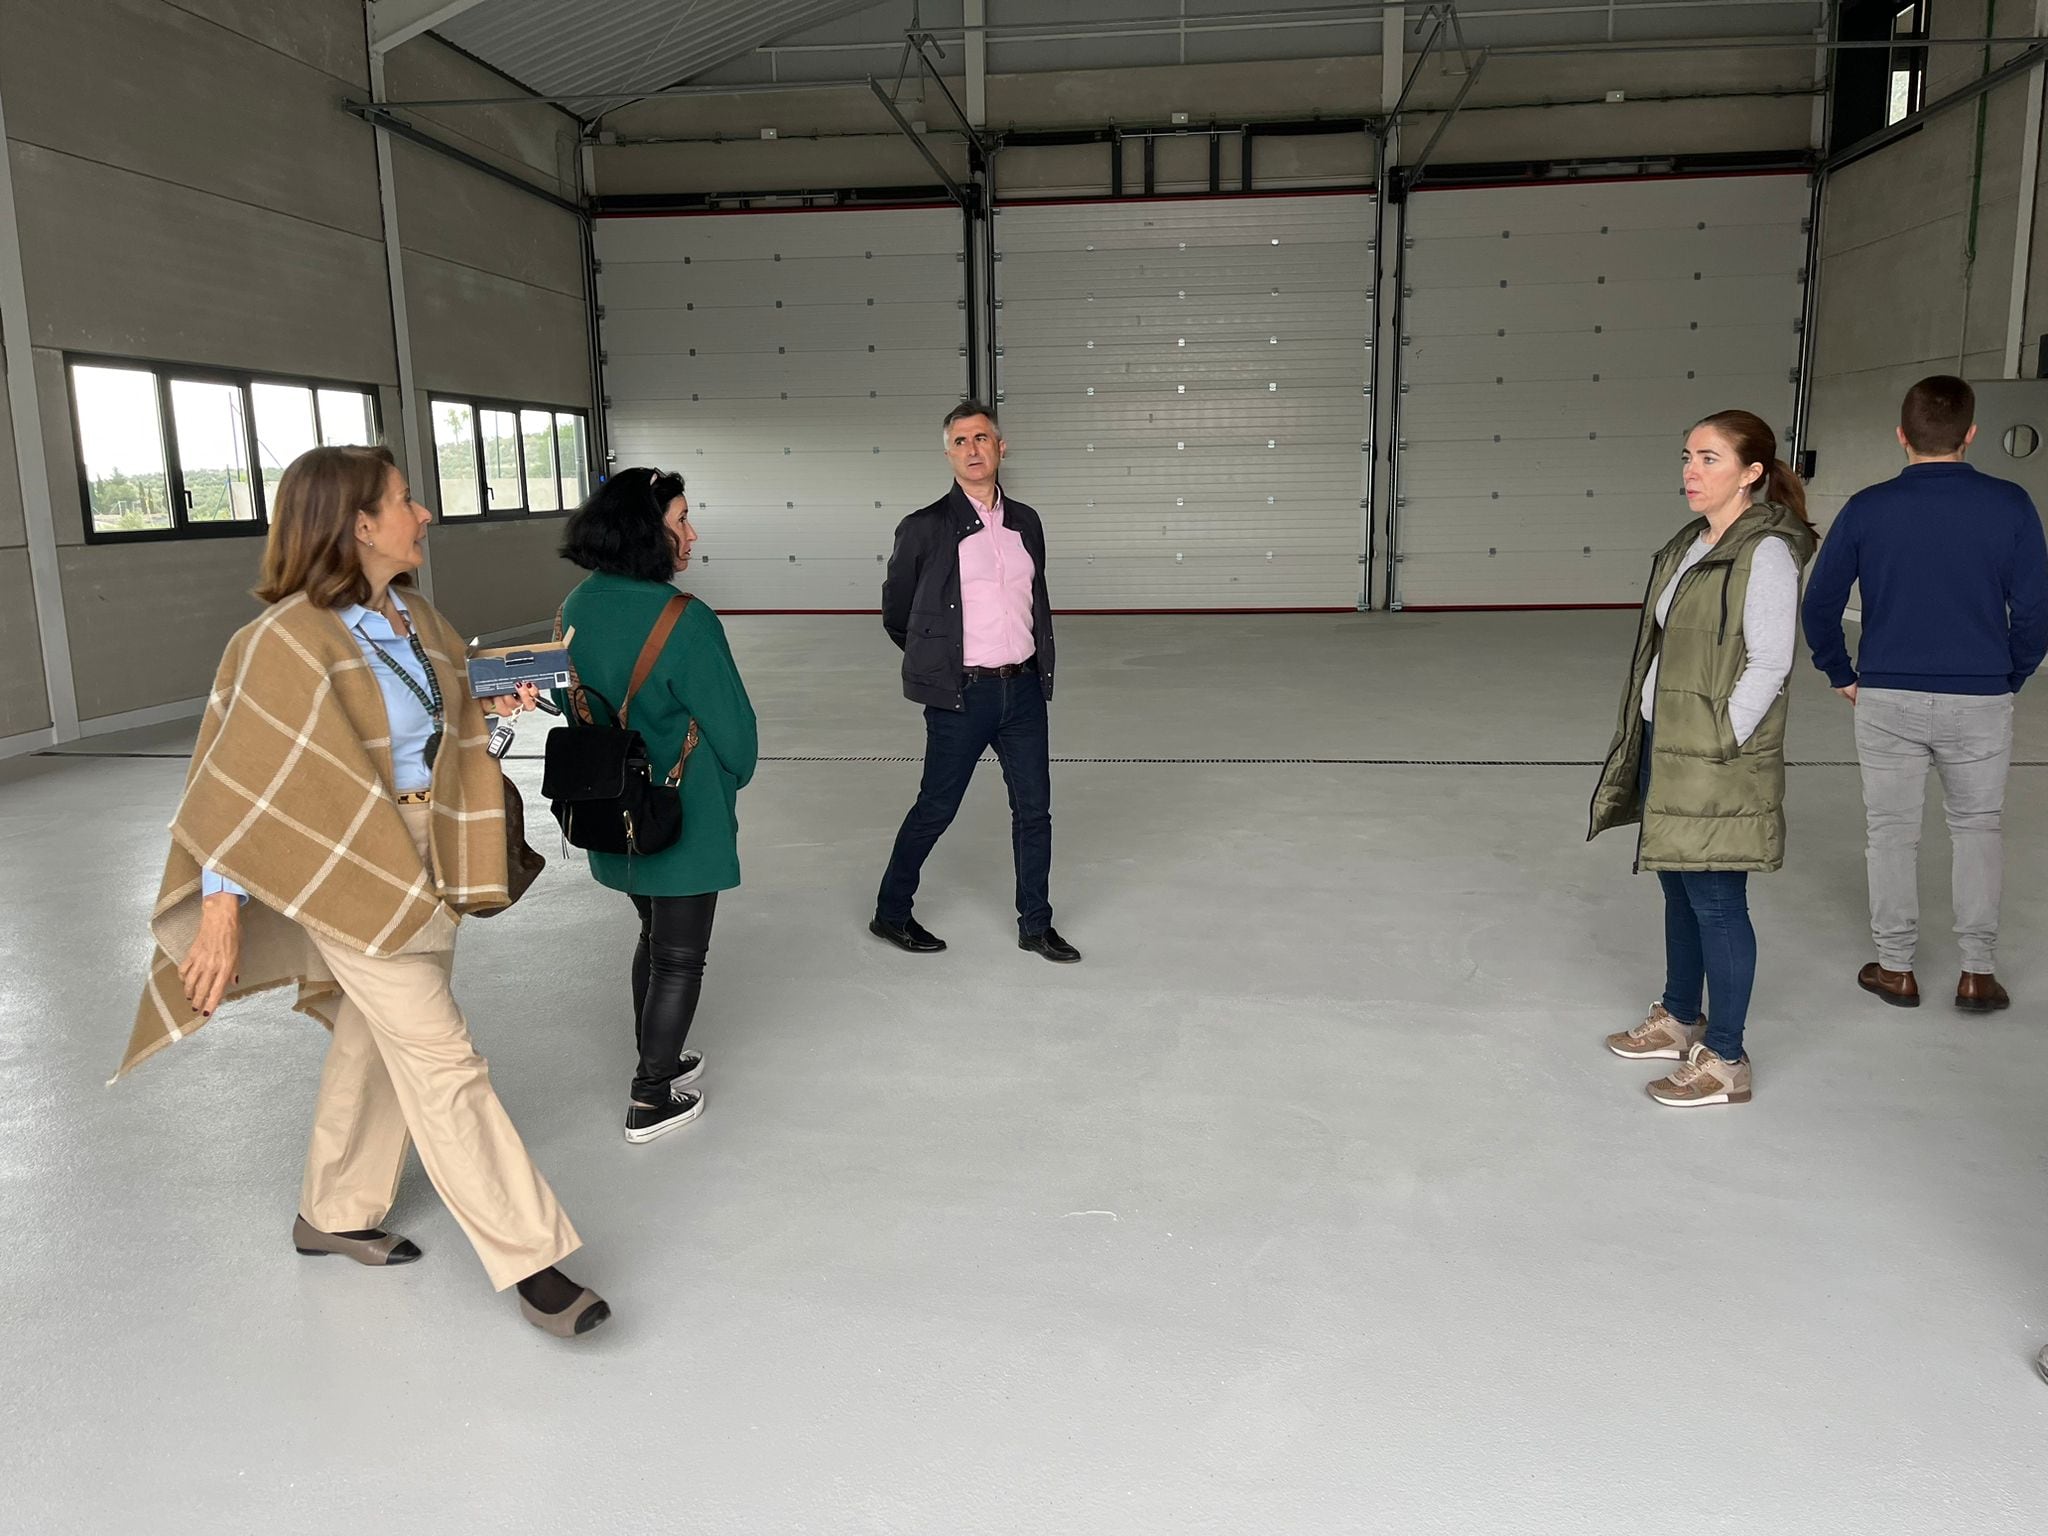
414, 796
1015, 669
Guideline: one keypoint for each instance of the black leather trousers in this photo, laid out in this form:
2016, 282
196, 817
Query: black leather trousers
668, 977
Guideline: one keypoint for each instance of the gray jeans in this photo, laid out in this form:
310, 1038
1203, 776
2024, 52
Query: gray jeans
1968, 739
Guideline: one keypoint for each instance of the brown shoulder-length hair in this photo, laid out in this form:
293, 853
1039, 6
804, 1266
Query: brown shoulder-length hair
312, 544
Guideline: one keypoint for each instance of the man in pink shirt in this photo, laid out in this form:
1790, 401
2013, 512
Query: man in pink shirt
965, 600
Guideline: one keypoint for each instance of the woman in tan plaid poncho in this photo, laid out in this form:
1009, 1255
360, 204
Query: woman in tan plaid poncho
340, 818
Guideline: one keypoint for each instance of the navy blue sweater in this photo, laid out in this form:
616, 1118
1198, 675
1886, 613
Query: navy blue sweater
1954, 572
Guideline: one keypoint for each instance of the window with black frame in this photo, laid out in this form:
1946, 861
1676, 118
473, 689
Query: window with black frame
1906, 62
1883, 81
167, 452
497, 458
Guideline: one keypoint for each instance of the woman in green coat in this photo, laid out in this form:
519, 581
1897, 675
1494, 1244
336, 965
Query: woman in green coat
634, 536
1698, 758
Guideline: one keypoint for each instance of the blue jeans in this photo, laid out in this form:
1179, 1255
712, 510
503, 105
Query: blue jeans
1709, 945
1007, 713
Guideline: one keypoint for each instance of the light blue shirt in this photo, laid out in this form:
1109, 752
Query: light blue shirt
411, 725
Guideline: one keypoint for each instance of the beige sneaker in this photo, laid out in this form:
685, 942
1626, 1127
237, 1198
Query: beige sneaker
1659, 1037
1703, 1078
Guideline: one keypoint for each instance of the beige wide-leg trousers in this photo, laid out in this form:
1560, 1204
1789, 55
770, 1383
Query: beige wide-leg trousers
401, 1069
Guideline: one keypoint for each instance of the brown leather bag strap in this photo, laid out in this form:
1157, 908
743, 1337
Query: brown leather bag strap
578, 699
650, 653
690, 740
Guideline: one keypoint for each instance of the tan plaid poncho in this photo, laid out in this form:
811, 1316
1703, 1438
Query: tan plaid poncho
289, 795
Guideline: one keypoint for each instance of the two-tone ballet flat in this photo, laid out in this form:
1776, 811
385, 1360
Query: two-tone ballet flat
579, 1317
379, 1251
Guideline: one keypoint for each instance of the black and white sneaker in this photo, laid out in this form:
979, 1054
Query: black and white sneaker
644, 1122
693, 1068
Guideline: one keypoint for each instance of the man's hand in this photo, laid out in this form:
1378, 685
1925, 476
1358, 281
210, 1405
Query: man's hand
216, 954
1848, 693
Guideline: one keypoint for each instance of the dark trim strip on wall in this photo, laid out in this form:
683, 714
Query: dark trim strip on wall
391, 122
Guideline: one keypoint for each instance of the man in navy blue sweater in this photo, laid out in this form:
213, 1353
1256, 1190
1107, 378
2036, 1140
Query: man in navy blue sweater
1954, 575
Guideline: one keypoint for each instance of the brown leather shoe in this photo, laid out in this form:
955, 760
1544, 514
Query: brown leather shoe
1979, 992
1896, 987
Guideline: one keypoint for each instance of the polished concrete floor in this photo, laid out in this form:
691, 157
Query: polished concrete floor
1310, 1203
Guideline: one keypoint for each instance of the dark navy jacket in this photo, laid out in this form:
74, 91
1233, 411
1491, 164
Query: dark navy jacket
921, 596
1954, 573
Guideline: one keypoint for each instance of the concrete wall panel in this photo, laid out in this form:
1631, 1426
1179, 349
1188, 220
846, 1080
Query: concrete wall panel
448, 210
1918, 181
197, 278
327, 34
495, 576
13, 531
1895, 300
178, 98
477, 333
149, 621
24, 704
60, 455
519, 138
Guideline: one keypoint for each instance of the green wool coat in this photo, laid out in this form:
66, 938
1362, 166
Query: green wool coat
694, 679
1713, 804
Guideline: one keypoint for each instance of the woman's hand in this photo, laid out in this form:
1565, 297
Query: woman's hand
216, 954
507, 705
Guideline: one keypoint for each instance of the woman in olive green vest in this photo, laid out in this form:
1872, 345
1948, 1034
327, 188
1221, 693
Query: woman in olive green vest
634, 536
1698, 759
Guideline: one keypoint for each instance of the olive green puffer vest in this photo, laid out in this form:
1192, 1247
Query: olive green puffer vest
1712, 804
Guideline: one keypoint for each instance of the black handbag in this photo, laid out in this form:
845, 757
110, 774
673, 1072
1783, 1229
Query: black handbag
597, 779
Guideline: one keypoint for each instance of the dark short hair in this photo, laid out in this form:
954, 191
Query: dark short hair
965, 409
1937, 414
619, 529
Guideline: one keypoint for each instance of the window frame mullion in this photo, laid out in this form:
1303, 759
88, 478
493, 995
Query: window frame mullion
174, 457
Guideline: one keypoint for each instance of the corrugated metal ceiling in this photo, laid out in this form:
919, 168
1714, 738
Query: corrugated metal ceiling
563, 47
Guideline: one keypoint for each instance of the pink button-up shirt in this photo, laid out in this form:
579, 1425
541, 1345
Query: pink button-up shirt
996, 607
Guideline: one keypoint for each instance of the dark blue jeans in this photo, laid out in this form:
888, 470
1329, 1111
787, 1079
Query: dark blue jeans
1709, 945
1007, 713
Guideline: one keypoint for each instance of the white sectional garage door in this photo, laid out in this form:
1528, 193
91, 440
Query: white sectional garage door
794, 368
1183, 386
1558, 342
